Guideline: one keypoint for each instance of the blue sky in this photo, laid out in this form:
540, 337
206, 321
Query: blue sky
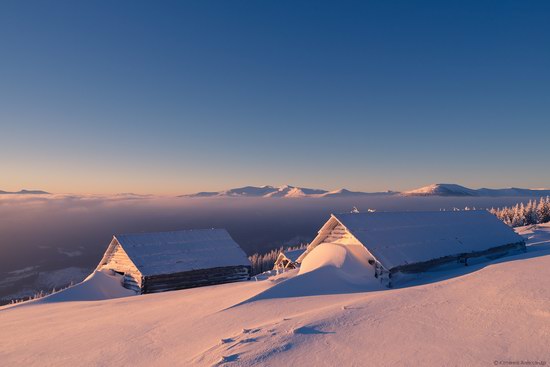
174, 97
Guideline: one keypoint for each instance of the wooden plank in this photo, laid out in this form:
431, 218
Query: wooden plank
153, 288
192, 279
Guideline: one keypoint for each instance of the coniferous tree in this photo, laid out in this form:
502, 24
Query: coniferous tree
523, 214
543, 210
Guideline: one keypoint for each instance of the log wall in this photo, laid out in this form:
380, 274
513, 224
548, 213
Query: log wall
426, 265
195, 278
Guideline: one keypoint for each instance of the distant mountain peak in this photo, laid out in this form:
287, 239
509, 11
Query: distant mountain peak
24, 192
442, 189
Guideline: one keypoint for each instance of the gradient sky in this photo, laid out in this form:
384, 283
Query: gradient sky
175, 97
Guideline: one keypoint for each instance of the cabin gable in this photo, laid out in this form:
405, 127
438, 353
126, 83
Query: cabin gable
117, 260
283, 262
334, 232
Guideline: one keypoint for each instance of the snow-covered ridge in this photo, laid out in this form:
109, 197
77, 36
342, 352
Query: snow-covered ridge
458, 190
440, 189
24, 192
286, 191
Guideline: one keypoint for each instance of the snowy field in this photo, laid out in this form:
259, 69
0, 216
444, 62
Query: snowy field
328, 314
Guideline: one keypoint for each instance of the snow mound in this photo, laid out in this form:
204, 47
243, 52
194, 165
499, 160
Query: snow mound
329, 269
350, 262
102, 284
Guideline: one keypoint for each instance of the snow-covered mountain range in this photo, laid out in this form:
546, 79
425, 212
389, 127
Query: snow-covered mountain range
288, 191
457, 190
24, 192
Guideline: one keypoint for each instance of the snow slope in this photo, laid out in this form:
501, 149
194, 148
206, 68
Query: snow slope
467, 316
27, 282
99, 285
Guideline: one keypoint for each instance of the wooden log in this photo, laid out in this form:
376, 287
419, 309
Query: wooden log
195, 278
154, 288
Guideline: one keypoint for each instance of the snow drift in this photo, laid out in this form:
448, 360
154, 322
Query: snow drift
329, 269
99, 285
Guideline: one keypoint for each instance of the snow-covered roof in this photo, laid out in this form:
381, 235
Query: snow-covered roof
294, 254
401, 238
173, 252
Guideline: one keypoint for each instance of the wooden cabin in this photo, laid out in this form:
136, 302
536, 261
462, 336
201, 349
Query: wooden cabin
412, 242
164, 261
287, 260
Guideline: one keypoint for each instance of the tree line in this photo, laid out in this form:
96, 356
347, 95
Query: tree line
534, 212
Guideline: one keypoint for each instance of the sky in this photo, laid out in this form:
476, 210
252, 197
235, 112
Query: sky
175, 97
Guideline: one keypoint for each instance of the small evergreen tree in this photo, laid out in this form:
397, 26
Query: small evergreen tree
543, 210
